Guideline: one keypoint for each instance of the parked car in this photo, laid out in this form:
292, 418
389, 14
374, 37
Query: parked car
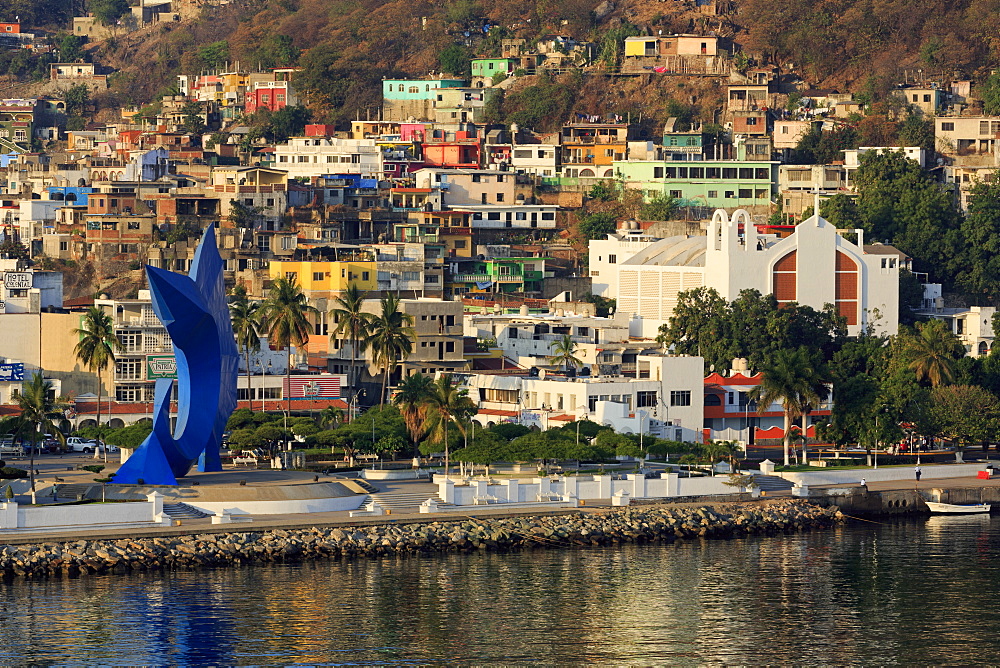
77, 444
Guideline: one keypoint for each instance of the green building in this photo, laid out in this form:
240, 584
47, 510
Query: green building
721, 184
487, 67
501, 274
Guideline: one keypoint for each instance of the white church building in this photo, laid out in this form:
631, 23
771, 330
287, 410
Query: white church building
814, 266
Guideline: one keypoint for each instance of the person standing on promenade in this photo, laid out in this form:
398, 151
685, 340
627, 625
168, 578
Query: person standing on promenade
916, 472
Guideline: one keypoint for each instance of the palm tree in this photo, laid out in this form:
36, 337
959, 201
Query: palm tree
934, 350
96, 349
411, 399
353, 324
330, 417
563, 349
447, 405
391, 341
283, 315
245, 316
793, 380
39, 414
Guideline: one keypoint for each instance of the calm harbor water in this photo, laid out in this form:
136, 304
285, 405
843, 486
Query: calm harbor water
915, 592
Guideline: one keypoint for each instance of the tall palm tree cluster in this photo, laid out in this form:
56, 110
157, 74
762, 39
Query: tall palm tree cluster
389, 334
430, 408
284, 317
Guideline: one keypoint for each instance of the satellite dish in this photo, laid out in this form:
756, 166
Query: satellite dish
541, 374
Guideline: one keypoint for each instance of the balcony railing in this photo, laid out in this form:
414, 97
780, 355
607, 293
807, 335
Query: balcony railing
483, 278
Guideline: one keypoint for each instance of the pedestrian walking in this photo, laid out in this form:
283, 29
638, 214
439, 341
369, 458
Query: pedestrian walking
916, 472
864, 484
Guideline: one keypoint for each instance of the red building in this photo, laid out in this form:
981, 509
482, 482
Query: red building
270, 95
731, 415
455, 150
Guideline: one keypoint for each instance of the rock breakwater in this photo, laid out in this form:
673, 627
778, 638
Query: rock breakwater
628, 525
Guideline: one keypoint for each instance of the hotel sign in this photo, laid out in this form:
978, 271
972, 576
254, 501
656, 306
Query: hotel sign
161, 366
16, 280
12, 372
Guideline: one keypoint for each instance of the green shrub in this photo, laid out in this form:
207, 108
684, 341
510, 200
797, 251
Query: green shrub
93, 468
10, 473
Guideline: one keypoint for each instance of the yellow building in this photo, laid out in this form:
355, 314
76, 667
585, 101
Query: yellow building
327, 277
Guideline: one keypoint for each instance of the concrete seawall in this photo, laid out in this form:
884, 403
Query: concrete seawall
647, 524
854, 500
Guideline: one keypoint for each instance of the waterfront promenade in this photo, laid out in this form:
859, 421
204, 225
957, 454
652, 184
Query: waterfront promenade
409, 493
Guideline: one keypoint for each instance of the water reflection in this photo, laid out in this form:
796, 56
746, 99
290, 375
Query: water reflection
909, 592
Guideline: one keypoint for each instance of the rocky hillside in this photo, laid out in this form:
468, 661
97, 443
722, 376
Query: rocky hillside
346, 47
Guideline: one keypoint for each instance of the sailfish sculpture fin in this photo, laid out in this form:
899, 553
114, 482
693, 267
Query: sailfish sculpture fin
193, 309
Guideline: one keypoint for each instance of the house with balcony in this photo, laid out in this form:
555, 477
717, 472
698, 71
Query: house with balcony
970, 140
509, 275
147, 352
415, 199
682, 54
263, 190
270, 95
684, 144
413, 266
798, 185
591, 149
748, 97
451, 228
503, 216
17, 122
400, 158
452, 148
461, 105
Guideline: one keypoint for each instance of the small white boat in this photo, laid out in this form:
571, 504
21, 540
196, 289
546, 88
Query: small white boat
956, 509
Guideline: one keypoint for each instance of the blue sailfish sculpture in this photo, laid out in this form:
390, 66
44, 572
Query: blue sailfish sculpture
194, 311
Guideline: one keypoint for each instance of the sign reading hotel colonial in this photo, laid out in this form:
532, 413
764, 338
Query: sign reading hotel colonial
17, 280
161, 366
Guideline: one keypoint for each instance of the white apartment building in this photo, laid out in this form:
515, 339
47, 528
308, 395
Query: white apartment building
465, 187
602, 344
315, 156
499, 216
668, 404
535, 159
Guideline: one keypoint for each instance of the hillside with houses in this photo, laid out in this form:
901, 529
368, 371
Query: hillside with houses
664, 192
